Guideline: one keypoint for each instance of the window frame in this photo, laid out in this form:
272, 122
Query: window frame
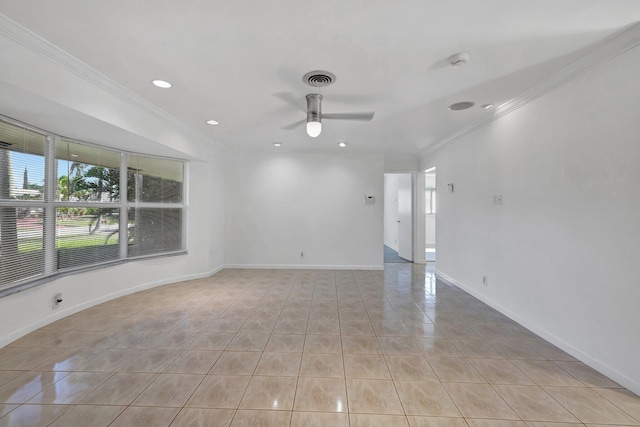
50, 203
431, 208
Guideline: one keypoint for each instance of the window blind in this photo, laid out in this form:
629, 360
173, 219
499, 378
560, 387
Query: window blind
155, 186
21, 190
62, 206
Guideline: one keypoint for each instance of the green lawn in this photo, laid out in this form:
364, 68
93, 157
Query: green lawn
68, 242
29, 245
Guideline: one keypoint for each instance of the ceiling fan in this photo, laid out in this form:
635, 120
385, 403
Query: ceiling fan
314, 105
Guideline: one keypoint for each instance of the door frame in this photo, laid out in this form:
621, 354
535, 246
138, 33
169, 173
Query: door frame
417, 256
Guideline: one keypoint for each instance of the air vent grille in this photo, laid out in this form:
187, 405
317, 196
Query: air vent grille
319, 78
461, 105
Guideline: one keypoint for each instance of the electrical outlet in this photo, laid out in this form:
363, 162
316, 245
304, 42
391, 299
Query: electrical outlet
485, 281
57, 300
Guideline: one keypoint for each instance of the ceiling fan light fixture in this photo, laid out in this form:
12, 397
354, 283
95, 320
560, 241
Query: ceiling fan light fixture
314, 128
314, 114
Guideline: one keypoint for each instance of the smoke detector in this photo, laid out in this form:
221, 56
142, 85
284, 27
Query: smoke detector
459, 59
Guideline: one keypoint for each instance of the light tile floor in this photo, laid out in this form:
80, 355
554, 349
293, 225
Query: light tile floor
301, 348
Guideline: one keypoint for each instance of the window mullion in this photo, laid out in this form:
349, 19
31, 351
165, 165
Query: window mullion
185, 203
124, 211
49, 226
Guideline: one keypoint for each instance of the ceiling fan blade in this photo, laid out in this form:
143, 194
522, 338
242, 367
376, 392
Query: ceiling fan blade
292, 100
353, 98
294, 125
364, 116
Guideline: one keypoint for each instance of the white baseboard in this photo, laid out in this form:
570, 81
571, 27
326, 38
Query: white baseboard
599, 366
303, 267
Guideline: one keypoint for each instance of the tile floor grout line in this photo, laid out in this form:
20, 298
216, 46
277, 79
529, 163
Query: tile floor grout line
595, 390
338, 287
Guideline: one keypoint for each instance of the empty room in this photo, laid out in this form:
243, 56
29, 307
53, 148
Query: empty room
200, 202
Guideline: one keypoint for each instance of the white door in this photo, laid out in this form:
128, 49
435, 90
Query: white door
405, 218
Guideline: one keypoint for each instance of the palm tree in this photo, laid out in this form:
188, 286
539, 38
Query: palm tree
63, 188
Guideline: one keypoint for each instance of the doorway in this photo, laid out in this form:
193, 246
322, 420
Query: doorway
430, 215
398, 217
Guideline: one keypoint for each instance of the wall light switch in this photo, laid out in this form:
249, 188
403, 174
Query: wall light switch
450, 188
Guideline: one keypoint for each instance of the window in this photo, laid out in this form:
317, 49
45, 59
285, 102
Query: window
66, 205
155, 186
430, 200
88, 214
21, 203
86, 173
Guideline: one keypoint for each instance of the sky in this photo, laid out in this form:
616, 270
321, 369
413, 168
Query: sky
35, 168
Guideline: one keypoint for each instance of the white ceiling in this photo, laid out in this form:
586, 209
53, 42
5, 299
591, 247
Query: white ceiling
241, 62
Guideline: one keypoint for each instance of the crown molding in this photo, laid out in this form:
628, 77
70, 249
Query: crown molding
33, 42
594, 56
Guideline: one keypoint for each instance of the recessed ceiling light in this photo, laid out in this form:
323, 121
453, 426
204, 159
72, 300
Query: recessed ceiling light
487, 106
342, 144
277, 144
212, 122
461, 105
161, 84
74, 155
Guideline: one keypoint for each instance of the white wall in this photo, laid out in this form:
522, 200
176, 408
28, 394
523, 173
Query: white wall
398, 163
561, 253
280, 204
391, 185
430, 230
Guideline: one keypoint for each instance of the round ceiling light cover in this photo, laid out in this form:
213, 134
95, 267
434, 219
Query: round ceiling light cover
319, 78
461, 105
161, 84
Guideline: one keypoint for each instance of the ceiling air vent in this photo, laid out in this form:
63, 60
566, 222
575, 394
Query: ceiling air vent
319, 78
5, 144
461, 105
